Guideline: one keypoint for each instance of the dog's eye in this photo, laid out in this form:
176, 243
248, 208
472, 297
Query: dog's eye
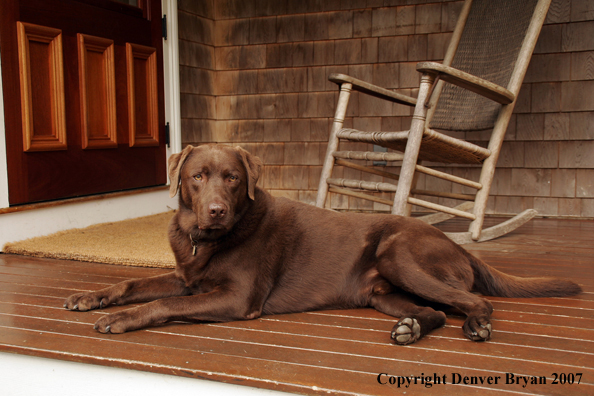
233, 178
198, 177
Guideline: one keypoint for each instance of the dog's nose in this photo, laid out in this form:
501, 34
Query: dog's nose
217, 210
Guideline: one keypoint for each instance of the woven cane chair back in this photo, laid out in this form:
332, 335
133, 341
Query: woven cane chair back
488, 48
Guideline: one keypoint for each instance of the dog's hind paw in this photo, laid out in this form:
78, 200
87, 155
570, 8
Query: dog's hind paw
477, 329
406, 331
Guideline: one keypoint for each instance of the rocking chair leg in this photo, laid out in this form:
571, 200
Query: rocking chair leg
480, 202
488, 171
411, 154
412, 187
341, 107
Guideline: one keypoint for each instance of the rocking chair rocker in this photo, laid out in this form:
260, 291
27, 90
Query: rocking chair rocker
474, 89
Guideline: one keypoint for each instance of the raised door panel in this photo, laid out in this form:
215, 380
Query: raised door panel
142, 95
97, 92
41, 75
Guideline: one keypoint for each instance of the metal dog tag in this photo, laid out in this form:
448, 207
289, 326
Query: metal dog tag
194, 245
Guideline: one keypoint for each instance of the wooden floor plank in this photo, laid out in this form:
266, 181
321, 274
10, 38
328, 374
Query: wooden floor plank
335, 351
81, 267
520, 306
59, 276
48, 282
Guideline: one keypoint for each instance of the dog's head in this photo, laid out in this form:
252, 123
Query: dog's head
216, 182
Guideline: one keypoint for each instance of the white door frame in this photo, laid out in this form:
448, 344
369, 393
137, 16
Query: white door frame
3, 167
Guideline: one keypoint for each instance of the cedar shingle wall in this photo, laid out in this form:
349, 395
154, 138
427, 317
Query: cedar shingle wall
254, 73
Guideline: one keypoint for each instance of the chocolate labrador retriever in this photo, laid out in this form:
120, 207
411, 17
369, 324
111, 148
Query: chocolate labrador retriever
242, 253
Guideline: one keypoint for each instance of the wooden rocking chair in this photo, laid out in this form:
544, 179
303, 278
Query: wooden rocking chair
474, 89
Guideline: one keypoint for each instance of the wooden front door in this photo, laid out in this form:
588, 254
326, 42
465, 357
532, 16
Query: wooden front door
83, 97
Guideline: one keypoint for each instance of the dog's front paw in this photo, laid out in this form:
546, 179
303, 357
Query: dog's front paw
123, 321
115, 323
85, 302
406, 331
477, 328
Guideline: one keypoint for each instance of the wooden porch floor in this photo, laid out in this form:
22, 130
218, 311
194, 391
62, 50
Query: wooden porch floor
338, 352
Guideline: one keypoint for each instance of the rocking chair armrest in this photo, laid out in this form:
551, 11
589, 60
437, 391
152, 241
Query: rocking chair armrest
374, 90
468, 81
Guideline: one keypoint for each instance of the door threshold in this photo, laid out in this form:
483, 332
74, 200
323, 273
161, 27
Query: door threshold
86, 198
29, 221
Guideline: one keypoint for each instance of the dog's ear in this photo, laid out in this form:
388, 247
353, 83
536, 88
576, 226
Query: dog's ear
252, 165
175, 163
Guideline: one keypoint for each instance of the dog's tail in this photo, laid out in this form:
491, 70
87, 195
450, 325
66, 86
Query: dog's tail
491, 282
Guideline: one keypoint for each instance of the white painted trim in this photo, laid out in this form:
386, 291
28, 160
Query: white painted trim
22, 375
17, 226
3, 162
171, 76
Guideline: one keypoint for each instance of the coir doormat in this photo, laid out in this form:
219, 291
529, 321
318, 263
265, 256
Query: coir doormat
139, 242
